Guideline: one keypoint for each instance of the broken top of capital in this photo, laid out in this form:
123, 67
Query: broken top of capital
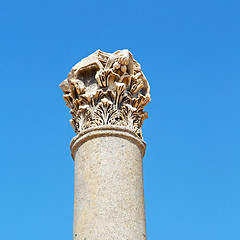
107, 89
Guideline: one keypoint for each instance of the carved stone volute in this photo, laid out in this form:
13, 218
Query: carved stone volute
107, 89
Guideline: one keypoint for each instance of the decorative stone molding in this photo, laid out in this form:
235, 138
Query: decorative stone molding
107, 89
100, 131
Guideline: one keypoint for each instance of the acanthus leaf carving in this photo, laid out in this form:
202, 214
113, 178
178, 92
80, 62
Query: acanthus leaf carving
107, 89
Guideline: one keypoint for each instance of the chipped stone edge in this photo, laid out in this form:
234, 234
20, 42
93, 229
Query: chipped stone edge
106, 130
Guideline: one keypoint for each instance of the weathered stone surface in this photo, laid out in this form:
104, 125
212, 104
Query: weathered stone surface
106, 94
108, 189
107, 89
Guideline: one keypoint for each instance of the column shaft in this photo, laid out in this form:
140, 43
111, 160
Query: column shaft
108, 191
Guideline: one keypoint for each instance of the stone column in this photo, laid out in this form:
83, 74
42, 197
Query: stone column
106, 94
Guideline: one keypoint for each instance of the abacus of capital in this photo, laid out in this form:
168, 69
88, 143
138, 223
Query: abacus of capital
106, 94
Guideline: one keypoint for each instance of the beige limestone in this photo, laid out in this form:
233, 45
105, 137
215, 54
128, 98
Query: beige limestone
106, 94
108, 190
107, 89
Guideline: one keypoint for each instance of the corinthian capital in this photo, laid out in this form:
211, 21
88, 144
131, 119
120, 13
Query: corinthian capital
107, 89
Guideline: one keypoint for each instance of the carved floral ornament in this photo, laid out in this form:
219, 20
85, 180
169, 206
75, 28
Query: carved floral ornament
107, 89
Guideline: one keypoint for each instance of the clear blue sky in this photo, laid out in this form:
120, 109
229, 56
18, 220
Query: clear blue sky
190, 54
